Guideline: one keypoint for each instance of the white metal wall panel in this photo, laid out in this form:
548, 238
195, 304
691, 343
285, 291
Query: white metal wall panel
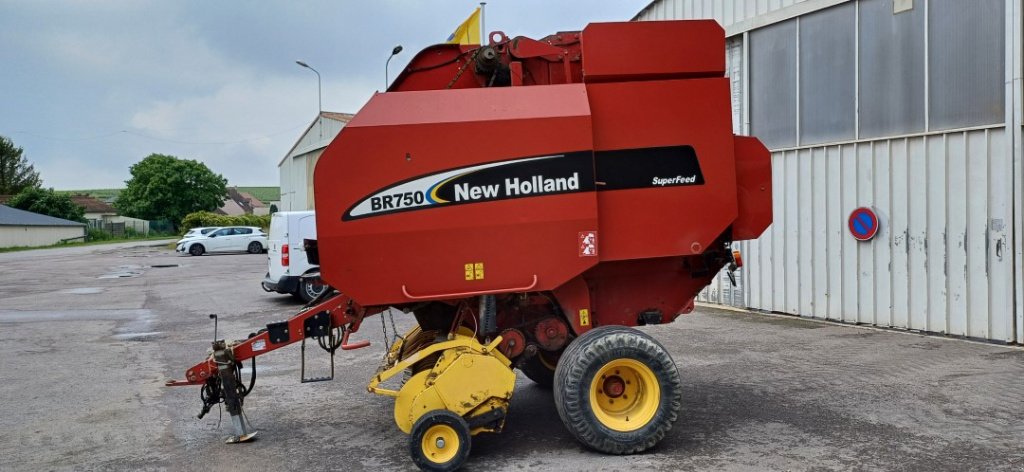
940, 262
1015, 119
944, 258
734, 70
296, 169
284, 170
721, 290
735, 16
298, 187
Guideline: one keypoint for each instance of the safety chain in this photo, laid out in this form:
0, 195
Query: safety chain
391, 316
384, 329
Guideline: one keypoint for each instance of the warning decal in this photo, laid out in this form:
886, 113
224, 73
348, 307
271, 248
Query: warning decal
584, 317
588, 243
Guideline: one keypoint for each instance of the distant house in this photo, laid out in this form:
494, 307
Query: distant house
102, 215
24, 228
95, 209
258, 208
296, 168
242, 203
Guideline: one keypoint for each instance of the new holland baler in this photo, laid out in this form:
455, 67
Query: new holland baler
528, 202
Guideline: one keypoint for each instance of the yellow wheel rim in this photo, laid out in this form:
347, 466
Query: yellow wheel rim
625, 395
440, 443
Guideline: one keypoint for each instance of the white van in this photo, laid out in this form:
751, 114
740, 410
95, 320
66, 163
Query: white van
289, 270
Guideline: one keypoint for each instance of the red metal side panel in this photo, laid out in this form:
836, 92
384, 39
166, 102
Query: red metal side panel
407, 138
753, 187
665, 220
653, 50
622, 289
435, 67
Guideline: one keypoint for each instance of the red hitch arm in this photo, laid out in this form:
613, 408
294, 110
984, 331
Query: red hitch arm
343, 312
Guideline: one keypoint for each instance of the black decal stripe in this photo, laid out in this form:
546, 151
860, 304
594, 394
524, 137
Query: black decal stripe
571, 172
638, 168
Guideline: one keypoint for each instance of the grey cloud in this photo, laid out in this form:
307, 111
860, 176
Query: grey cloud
88, 88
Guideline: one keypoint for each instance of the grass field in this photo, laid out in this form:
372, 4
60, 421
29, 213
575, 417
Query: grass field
264, 194
105, 194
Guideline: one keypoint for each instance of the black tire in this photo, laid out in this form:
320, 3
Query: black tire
432, 434
196, 250
310, 288
603, 348
541, 369
255, 248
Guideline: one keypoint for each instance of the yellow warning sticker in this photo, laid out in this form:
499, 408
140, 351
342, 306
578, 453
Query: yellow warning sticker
474, 271
584, 317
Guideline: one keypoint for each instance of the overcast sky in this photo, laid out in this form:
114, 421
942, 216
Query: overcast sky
88, 88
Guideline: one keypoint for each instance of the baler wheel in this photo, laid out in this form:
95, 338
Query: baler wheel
617, 390
439, 441
540, 369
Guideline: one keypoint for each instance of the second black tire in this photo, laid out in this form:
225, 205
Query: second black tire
611, 364
540, 369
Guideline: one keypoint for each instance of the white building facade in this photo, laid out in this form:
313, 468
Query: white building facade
296, 169
909, 107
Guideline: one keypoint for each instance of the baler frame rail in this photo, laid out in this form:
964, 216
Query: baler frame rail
343, 312
219, 374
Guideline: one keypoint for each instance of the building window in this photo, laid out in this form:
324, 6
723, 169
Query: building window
966, 63
773, 84
828, 75
891, 69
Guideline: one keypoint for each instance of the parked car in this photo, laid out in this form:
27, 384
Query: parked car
226, 239
289, 269
200, 231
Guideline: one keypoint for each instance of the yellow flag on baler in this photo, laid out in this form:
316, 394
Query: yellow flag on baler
468, 32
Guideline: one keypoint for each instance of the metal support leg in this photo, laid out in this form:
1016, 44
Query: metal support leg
232, 400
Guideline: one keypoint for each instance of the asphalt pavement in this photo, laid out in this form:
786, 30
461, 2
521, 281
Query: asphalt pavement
89, 335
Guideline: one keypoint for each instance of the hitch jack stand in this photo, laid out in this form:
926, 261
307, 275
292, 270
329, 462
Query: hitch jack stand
232, 400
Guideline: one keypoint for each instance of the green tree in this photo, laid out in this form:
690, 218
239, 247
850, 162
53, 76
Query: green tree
16, 174
48, 202
168, 188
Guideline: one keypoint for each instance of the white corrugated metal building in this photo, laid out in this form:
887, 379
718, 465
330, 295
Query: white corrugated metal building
296, 169
911, 107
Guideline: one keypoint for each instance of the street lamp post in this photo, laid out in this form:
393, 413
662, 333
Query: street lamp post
394, 52
319, 98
